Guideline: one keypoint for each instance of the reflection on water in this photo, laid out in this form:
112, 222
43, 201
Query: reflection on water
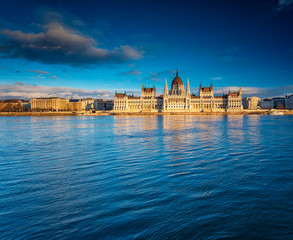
162, 177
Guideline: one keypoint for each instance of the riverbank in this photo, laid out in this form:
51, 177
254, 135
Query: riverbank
244, 112
53, 114
107, 113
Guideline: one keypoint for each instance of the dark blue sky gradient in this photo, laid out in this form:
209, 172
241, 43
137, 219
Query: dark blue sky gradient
232, 43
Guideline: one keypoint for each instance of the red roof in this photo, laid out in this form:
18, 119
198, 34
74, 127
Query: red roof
148, 90
206, 89
177, 81
13, 100
120, 95
233, 94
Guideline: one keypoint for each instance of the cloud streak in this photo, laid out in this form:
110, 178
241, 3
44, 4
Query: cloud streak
27, 91
259, 92
38, 71
132, 73
160, 76
60, 44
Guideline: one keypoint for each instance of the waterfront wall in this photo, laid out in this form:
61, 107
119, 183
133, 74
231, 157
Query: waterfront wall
106, 113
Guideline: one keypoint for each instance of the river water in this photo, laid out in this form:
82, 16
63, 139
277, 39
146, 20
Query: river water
146, 177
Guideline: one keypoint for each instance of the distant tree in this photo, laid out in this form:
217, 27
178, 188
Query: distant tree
13, 107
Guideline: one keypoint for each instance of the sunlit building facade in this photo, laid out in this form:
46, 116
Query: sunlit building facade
49, 104
178, 99
251, 103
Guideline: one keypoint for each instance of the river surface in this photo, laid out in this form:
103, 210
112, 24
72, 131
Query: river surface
146, 177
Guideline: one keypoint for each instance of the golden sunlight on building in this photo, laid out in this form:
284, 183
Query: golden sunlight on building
178, 99
49, 104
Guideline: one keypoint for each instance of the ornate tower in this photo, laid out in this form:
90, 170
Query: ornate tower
166, 87
187, 87
188, 97
199, 90
177, 87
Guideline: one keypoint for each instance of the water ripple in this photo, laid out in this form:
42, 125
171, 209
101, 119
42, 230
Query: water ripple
146, 177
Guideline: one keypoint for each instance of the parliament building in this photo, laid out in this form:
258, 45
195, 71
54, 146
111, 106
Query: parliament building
178, 99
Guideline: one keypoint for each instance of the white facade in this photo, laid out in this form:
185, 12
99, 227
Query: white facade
178, 99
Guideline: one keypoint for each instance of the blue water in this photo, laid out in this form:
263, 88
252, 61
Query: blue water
146, 177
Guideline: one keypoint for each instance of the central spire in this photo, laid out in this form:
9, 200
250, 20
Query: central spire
177, 72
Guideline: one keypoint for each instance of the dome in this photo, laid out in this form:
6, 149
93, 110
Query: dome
177, 80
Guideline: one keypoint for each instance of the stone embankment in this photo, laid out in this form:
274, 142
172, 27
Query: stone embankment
244, 112
106, 113
63, 113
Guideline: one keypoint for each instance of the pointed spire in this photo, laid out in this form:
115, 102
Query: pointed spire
187, 87
177, 72
166, 87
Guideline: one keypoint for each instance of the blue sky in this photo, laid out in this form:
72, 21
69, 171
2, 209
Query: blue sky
90, 49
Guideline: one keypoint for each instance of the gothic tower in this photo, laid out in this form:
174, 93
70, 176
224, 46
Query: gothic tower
187, 87
166, 87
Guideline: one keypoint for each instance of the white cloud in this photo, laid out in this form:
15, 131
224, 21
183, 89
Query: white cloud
27, 91
259, 92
